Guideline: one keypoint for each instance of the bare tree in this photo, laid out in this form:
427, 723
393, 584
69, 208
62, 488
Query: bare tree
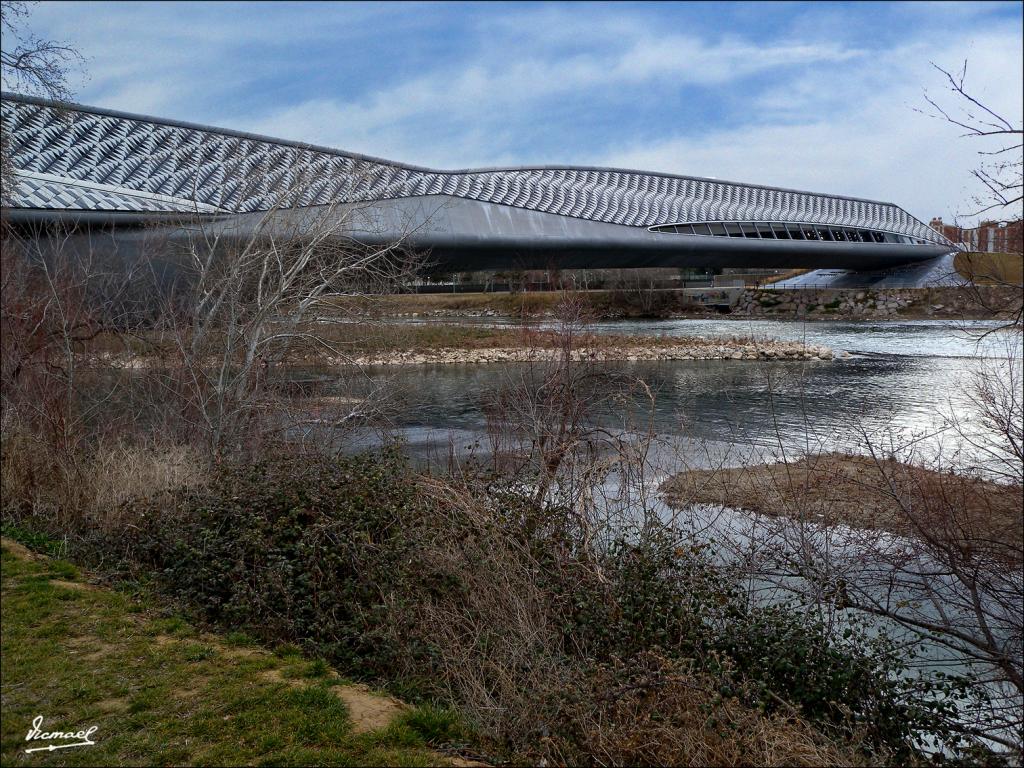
573, 436
30, 65
1000, 171
261, 292
1001, 167
59, 305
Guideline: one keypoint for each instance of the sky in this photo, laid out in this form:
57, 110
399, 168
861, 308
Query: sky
825, 97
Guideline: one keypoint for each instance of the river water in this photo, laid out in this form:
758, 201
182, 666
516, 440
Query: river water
901, 380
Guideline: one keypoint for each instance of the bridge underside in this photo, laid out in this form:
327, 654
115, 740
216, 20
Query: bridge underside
936, 272
455, 234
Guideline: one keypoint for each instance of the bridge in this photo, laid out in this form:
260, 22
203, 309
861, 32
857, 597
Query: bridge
130, 176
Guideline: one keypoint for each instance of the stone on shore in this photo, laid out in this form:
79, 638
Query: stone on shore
687, 349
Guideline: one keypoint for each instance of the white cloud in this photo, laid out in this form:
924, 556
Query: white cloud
167, 58
481, 92
857, 136
678, 59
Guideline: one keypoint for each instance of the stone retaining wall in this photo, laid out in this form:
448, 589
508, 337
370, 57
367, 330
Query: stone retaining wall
867, 303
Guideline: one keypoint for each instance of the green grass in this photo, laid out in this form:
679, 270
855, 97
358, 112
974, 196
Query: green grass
531, 302
37, 542
161, 692
364, 339
436, 725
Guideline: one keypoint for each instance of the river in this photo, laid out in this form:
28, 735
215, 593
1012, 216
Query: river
901, 379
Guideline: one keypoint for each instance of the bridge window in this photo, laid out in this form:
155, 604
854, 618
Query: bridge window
782, 230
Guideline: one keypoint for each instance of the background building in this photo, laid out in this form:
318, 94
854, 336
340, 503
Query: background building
987, 237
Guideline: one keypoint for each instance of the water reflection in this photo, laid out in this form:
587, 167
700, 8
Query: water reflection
901, 381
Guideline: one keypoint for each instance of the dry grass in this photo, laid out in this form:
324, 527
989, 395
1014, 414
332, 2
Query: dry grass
526, 303
991, 268
121, 472
787, 275
657, 712
859, 492
93, 483
370, 338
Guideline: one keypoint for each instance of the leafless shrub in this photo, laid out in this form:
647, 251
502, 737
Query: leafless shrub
103, 354
503, 609
503, 657
1001, 170
1000, 173
565, 429
59, 306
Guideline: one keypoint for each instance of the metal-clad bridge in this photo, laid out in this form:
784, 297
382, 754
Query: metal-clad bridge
128, 175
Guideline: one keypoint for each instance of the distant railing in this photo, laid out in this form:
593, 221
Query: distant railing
657, 286
804, 286
666, 285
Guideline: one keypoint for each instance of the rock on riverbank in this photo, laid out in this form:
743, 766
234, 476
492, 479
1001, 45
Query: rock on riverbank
699, 349
871, 304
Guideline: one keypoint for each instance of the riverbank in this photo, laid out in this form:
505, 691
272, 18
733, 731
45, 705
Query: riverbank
646, 349
384, 343
984, 303
857, 491
160, 692
428, 585
974, 303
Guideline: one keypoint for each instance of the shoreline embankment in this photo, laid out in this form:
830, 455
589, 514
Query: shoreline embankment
953, 303
689, 349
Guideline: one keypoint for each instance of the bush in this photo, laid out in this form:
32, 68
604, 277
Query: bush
297, 549
548, 650
660, 595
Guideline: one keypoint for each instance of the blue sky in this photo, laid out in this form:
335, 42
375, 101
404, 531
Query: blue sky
810, 96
